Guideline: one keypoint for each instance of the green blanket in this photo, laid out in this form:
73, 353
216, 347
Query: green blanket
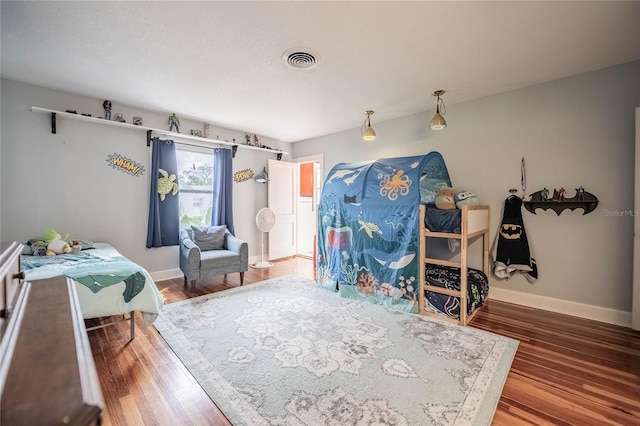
92, 271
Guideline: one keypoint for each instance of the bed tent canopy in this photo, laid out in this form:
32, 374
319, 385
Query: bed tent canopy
368, 227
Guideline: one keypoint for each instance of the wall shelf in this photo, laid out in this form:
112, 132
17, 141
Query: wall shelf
197, 139
588, 203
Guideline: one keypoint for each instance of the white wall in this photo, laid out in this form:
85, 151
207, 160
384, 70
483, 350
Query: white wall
572, 132
63, 181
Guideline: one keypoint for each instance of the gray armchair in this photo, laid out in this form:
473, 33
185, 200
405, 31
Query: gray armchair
196, 263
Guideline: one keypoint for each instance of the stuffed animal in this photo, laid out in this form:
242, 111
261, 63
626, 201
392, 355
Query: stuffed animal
50, 235
55, 243
465, 197
34, 247
444, 199
58, 246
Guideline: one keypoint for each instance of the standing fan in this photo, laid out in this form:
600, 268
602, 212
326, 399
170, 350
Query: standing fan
265, 219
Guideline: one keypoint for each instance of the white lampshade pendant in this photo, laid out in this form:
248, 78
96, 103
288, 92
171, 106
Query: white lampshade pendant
438, 122
367, 132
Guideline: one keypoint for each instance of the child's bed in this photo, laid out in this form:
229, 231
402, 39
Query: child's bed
107, 283
371, 238
445, 292
368, 230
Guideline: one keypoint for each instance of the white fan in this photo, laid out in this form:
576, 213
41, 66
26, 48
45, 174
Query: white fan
266, 220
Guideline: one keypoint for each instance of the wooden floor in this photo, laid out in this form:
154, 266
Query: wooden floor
567, 371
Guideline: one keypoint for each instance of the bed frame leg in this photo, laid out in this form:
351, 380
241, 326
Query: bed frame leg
132, 318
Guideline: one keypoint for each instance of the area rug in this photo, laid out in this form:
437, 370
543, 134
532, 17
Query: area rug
286, 352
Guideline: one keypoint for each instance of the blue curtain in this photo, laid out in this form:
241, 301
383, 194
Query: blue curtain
222, 212
164, 221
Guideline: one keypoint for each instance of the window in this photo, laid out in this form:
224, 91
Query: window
195, 180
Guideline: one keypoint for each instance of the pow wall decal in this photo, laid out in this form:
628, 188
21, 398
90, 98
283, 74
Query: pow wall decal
242, 175
125, 164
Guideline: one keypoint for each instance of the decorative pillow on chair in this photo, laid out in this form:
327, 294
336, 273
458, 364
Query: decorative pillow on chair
209, 237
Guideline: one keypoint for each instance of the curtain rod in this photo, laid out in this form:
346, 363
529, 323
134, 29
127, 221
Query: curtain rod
200, 145
196, 140
207, 143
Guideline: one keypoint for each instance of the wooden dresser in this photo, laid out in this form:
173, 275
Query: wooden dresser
47, 374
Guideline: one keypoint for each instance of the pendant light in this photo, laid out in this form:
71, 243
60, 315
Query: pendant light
438, 122
367, 132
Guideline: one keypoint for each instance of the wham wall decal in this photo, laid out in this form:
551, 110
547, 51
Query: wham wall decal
125, 164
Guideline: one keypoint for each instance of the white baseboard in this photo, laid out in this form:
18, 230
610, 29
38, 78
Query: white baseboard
597, 313
177, 273
166, 275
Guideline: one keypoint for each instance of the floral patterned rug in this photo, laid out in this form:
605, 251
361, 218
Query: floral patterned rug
286, 352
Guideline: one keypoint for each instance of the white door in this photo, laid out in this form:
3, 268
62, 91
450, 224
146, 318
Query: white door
308, 202
282, 200
635, 304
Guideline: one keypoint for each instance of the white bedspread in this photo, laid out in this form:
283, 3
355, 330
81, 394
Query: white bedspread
102, 300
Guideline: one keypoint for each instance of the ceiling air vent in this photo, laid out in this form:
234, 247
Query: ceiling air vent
301, 58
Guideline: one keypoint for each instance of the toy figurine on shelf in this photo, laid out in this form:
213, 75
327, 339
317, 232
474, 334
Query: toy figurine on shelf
580, 193
562, 193
174, 122
256, 140
107, 109
544, 194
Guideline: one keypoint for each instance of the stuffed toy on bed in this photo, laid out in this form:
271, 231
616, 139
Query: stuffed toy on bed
58, 246
55, 243
465, 197
444, 199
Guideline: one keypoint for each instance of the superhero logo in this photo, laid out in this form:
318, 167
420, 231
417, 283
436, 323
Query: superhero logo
511, 231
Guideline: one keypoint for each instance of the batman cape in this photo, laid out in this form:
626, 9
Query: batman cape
510, 251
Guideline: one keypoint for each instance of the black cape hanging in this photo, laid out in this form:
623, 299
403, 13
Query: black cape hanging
511, 253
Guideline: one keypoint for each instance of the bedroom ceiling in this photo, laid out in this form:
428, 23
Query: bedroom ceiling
222, 62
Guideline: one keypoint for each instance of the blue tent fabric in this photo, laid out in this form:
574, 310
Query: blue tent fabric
368, 230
